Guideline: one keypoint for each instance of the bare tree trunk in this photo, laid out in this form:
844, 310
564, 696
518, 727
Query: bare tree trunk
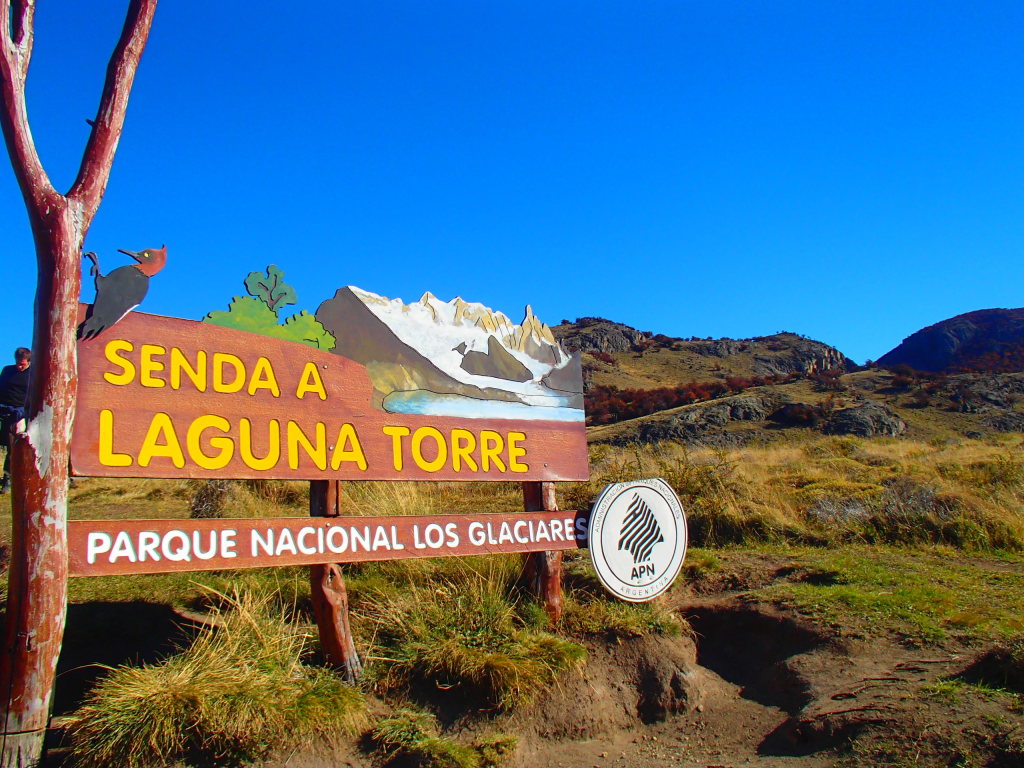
37, 588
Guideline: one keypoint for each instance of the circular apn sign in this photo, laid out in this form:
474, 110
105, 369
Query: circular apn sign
637, 536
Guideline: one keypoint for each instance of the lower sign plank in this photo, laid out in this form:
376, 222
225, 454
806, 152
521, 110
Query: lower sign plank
108, 547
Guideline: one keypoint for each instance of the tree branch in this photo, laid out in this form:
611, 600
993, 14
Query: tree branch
24, 17
106, 130
15, 54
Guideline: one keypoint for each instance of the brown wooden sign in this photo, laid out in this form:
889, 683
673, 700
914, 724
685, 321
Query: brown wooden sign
165, 397
106, 547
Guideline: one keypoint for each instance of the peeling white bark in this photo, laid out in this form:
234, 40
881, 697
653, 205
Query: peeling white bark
40, 436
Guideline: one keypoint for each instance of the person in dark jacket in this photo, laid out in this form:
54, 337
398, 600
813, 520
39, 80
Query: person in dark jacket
13, 397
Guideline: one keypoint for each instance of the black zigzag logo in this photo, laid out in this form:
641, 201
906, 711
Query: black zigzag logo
640, 531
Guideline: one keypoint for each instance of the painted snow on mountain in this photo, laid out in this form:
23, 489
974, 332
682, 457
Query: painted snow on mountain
455, 358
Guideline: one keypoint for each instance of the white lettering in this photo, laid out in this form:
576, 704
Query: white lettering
227, 542
337, 531
515, 531
452, 534
360, 537
285, 542
122, 548
179, 554
148, 543
97, 543
197, 538
303, 533
258, 542
433, 535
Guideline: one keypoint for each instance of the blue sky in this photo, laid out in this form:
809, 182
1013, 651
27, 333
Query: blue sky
848, 170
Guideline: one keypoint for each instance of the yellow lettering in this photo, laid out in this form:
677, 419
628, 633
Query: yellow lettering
263, 378
110, 351
296, 437
516, 451
245, 445
491, 446
463, 445
161, 442
223, 444
417, 445
220, 359
180, 364
311, 382
148, 366
397, 433
106, 448
347, 448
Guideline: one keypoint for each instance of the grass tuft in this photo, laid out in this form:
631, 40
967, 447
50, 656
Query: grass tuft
467, 634
412, 737
239, 692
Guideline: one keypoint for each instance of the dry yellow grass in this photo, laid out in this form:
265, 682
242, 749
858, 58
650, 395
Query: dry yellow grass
828, 489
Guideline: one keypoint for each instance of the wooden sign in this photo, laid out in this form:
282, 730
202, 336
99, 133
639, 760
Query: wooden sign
367, 389
105, 547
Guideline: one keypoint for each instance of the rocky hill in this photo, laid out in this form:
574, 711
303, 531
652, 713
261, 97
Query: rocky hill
989, 340
626, 357
645, 388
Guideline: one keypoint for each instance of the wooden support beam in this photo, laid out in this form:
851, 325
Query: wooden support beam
330, 598
542, 571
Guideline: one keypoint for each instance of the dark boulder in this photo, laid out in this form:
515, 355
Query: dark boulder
867, 420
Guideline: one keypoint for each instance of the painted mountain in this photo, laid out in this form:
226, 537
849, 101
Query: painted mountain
454, 358
988, 340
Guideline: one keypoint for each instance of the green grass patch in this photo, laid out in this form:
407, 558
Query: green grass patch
412, 737
590, 611
587, 615
925, 596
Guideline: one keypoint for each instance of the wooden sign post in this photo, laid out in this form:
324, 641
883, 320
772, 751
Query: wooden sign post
330, 598
542, 572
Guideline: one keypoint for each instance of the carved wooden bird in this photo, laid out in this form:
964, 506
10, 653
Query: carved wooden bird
122, 290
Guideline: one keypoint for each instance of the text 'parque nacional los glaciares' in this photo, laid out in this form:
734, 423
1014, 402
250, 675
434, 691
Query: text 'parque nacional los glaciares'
154, 546
365, 389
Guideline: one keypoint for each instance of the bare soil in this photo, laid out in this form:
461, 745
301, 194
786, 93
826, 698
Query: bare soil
769, 688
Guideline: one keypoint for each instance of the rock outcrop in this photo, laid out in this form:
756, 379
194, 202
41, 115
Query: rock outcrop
790, 353
702, 423
595, 334
868, 420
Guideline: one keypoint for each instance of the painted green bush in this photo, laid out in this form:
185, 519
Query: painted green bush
259, 312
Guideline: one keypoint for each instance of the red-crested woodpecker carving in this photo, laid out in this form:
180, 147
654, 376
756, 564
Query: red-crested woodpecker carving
37, 592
